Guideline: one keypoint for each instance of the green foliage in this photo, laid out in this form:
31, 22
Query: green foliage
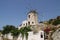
15, 32
24, 31
26, 34
7, 29
58, 17
50, 21
56, 22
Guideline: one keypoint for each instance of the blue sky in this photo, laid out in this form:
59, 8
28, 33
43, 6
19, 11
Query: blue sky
13, 12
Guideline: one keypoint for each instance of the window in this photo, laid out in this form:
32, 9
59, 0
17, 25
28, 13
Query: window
32, 22
28, 23
46, 37
41, 35
29, 16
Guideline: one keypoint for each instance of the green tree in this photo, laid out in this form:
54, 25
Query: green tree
7, 29
56, 22
24, 31
58, 17
15, 33
50, 21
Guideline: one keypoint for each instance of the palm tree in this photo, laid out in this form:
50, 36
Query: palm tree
24, 31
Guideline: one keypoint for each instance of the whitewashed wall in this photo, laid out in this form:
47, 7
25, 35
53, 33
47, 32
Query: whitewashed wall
36, 36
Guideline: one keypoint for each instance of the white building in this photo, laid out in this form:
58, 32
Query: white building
33, 36
32, 19
36, 36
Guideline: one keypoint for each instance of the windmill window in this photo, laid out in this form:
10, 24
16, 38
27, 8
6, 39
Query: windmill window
29, 16
29, 23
